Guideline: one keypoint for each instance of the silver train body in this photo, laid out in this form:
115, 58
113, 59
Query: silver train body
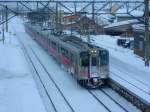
88, 63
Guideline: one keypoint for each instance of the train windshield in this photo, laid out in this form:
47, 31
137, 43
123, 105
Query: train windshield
85, 60
104, 57
94, 61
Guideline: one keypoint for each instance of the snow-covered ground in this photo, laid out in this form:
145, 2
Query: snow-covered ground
126, 68
18, 92
123, 54
78, 97
17, 88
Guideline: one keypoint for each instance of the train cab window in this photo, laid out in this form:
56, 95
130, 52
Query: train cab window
94, 61
104, 58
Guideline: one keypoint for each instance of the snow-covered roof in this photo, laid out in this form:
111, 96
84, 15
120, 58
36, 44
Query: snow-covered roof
135, 13
122, 23
139, 27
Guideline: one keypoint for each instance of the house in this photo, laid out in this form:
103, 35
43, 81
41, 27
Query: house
38, 16
122, 15
121, 28
139, 35
82, 24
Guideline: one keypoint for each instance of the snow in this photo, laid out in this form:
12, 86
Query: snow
122, 23
120, 100
104, 98
135, 13
128, 67
18, 92
78, 97
75, 95
139, 27
125, 55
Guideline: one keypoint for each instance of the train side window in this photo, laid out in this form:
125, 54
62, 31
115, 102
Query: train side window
53, 45
64, 52
71, 57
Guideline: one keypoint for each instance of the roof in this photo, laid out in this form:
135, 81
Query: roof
139, 27
121, 23
135, 13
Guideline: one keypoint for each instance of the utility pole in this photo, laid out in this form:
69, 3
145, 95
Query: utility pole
147, 38
93, 10
6, 18
3, 31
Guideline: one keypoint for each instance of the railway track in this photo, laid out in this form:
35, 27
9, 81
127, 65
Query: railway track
72, 110
114, 100
99, 101
109, 110
43, 85
98, 95
50, 77
38, 75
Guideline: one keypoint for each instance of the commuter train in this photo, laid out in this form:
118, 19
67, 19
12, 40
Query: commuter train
89, 64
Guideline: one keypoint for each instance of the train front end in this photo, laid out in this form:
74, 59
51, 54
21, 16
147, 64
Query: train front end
94, 67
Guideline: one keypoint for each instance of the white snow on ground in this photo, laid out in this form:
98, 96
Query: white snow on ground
18, 92
129, 69
123, 54
78, 97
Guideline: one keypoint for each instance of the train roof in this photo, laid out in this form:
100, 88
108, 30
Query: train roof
68, 41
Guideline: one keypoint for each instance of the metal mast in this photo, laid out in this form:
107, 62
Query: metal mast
147, 38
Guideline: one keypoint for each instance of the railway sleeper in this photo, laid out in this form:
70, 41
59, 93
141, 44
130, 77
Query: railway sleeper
129, 96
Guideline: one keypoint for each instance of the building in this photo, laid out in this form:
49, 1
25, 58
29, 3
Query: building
82, 24
139, 35
122, 15
123, 28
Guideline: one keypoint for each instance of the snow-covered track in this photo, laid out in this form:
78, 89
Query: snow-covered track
114, 100
99, 101
42, 84
105, 99
48, 95
46, 91
49, 75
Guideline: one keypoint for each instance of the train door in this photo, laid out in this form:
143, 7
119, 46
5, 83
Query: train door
104, 63
94, 66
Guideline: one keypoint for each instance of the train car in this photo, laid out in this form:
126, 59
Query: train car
88, 63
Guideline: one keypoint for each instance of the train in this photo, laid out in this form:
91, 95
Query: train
89, 64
